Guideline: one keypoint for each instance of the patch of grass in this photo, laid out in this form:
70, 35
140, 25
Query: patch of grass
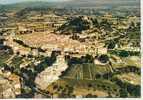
16, 61
3, 57
100, 84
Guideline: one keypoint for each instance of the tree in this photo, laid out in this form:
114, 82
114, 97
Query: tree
98, 76
103, 58
123, 93
124, 53
95, 22
134, 90
55, 87
111, 45
89, 58
89, 85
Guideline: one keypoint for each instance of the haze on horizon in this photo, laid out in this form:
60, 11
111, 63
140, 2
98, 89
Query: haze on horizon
18, 1
78, 1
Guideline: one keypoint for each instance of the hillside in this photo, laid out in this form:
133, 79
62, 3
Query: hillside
77, 24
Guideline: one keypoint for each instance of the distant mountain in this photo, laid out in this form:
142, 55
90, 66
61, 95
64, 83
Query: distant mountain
74, 4
22, 5
103, 3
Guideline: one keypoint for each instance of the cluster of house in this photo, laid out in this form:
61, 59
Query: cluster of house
10, 85
44, 23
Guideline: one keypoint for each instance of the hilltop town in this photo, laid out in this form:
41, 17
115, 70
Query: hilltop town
68, 53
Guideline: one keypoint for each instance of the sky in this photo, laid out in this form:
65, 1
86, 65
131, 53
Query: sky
16, 1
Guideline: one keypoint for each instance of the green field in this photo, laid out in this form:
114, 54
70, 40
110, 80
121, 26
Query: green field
3, 57
85, 71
